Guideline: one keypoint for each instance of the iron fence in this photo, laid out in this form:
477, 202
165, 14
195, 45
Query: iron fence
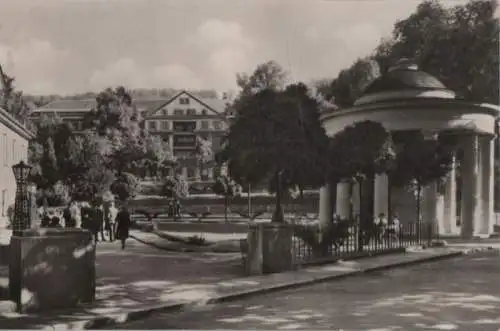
341, 240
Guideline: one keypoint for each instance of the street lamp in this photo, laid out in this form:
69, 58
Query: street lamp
22, 211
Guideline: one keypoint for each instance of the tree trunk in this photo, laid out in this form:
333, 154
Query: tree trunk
278, 210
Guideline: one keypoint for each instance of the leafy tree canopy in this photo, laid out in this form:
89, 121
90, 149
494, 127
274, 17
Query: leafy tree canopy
361, 150
445, 42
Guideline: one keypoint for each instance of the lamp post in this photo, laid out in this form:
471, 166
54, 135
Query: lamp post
22, 208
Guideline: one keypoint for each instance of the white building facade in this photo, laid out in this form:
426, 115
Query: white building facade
14, 141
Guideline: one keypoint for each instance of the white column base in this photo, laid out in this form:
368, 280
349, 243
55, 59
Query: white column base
342, 202
381, 195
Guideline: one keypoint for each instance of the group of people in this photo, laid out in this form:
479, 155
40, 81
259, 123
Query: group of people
388, 229
96, 217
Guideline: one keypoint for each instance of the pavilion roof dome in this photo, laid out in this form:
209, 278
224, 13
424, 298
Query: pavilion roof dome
401, 79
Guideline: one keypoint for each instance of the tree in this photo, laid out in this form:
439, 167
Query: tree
10, 99
268, 75
227, 188
420, 162
91, 177
357, 154
351, 82
175, 187
125, 186
49, 153
446, 42
204, 152
277, 137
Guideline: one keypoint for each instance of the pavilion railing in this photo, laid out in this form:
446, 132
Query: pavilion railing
343, 240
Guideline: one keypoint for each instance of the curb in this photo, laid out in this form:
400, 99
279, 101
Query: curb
113, 319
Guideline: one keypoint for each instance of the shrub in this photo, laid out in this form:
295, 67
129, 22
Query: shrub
322, 239
57, 195
125, 186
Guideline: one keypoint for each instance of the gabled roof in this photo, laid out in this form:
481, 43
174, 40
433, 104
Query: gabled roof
218, 106
89, 104
67, 106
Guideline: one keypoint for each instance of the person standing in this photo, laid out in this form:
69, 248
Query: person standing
111, 220
76, 217
122, 224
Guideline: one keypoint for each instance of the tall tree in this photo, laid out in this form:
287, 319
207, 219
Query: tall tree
268, 75
420, 161
357, 154
12, 100
446, 42
277, 137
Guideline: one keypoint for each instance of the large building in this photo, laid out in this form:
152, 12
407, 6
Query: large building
181, 120
14, 140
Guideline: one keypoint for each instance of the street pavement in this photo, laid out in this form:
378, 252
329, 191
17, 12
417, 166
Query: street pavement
456, 294
137, 277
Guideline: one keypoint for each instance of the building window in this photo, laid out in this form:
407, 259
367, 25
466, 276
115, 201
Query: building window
204, 125
191, 112
178, 112
165, 112
204, 112
217, 125
184, 101
152, 125
164, 125
190, 173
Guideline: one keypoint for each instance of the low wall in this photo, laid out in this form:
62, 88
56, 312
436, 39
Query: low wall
51, 269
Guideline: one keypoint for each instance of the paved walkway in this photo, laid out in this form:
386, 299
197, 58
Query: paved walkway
141, 280
431, 296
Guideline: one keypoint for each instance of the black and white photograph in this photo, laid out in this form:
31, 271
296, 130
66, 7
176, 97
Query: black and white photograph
250, 165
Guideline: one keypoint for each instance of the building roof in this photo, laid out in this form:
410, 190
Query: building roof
68, 105
404, 77
148, 105
214, 104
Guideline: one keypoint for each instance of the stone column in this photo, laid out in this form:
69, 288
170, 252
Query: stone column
487, 185
381, 195
470, 194
450, 201
325, 205
342, 200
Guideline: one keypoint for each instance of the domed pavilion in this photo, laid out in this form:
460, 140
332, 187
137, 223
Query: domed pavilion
406, 98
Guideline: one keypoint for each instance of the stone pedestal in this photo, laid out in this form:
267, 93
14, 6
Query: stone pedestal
269, 248
51, 269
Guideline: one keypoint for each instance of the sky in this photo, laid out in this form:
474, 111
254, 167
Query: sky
73, 46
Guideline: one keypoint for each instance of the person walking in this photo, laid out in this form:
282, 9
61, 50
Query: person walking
97, 221
122, 225
111, 220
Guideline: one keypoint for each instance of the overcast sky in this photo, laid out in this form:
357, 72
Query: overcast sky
56, 46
